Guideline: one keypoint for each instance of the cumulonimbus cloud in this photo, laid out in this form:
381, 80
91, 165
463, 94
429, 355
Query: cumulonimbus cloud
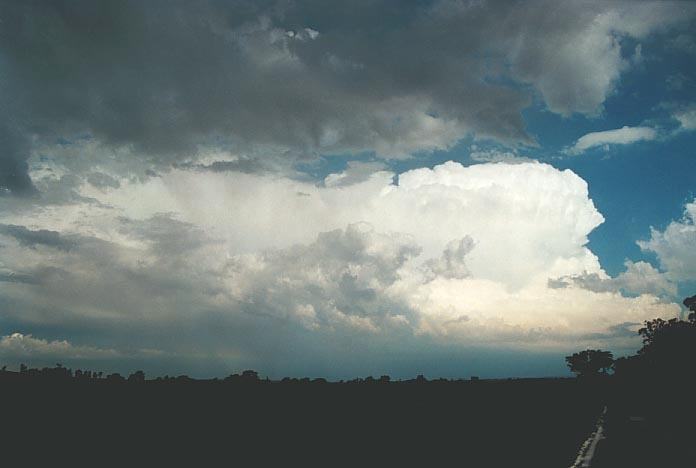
459, 255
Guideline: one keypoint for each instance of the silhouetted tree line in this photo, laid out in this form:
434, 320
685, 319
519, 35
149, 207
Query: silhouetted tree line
60, 373
669, 351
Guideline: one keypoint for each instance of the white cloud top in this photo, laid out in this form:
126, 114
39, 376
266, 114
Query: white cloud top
675, 247
27, 346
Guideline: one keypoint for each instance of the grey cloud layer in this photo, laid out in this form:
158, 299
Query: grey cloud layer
29, 238
337, 281
188, 297
639, 278
299, 78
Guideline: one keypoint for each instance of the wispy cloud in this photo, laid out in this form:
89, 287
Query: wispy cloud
686, 118
496, 155
620, 136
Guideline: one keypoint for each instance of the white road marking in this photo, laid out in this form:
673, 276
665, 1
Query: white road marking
587, 449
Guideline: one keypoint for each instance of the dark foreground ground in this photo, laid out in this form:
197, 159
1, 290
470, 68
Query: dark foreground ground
649, 423
516, 423
535, 423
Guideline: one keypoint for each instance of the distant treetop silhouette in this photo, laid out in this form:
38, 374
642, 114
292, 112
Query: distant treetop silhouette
590, 363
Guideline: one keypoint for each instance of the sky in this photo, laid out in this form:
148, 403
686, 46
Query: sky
342, 189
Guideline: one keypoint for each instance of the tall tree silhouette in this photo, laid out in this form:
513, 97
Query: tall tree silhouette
669, 346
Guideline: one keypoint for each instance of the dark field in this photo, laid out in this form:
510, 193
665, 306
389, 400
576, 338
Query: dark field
526, 423
650, 423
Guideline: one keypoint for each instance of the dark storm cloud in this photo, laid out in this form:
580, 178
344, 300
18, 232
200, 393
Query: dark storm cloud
13, 277
85, 274
620, 330
14, 152
102, 181
29, 238
298, 78
165, 235
63, 190
36, 276
244, 165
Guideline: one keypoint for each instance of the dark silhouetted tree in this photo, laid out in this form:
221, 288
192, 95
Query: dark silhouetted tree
250, 376
137, 377
590, 363
115, 378
655, 331
690, 303
669, 346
